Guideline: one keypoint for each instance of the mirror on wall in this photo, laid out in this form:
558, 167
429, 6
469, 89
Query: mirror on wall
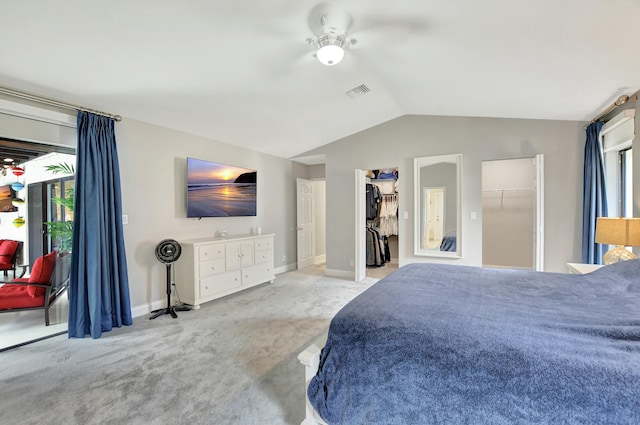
438, 204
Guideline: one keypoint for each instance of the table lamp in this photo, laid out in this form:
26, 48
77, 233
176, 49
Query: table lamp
621, 232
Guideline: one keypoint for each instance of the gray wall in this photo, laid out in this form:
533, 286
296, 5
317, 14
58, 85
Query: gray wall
400, 140
316, 171
153, 174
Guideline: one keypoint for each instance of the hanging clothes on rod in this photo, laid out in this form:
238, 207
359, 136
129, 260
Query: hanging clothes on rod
373, 199
376, 251
388, 217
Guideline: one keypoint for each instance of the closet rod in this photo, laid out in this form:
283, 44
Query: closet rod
522, 189
619, 102
53, 102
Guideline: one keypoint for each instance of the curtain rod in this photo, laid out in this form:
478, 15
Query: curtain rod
53, 102
619, 102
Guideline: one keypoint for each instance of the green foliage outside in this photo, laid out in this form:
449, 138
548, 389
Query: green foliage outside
62, 231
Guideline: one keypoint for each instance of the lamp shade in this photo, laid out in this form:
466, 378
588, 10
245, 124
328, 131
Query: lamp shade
618, 231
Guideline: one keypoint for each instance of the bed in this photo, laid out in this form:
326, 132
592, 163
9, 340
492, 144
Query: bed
449, 242
437, 343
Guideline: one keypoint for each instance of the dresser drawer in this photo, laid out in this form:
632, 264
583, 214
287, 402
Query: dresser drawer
209, 252
220, 283
263, 243
264, 256
211, 267
257, 274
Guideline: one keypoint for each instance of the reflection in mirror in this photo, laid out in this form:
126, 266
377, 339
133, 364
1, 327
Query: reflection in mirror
438, 202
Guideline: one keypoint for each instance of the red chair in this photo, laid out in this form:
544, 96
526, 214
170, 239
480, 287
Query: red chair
8, 255
48, 280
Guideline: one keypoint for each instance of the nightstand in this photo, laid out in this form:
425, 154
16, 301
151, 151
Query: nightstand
580, 268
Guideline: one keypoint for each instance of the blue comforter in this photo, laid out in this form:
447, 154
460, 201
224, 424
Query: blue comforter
440, 344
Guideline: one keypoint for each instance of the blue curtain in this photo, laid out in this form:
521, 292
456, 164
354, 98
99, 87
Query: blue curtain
594, 195
99, 285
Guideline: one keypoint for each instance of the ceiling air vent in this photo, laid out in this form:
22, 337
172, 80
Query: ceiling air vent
358, 91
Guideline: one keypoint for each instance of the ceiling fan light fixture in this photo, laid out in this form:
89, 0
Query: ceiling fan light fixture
330, 51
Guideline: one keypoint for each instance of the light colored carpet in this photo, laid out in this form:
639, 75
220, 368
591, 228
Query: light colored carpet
231, 362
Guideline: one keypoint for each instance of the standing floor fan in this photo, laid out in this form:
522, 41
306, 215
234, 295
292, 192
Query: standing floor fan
168, 251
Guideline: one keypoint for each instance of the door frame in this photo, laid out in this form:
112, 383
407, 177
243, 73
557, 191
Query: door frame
360, 255
360, 231
301, 239
539, 224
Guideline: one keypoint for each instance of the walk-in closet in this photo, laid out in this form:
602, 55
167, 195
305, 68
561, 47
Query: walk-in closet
381, 222
510, 204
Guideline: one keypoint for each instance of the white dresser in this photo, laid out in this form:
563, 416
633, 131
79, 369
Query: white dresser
211, 268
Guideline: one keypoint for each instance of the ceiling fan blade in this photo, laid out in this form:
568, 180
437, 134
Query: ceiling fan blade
327, 18
387, 30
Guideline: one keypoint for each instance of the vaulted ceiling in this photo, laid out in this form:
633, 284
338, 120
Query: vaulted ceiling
242, 72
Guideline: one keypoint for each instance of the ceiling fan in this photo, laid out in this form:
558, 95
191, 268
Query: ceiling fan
329, 24
332, 25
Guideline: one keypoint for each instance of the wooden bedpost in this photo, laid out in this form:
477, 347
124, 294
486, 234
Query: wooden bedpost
310, 358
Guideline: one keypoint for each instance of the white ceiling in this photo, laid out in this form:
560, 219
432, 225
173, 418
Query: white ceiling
240, 71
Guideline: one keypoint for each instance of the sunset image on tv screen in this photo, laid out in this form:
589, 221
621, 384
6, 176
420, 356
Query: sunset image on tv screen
219, 190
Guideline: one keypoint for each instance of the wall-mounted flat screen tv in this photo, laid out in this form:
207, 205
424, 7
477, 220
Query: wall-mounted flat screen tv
220, 190
6, 198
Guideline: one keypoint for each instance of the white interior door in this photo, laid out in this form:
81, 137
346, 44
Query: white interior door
305, 228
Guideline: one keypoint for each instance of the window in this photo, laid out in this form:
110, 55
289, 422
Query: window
616, 138
626, 182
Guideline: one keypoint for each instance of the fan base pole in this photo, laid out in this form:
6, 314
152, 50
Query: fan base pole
170, 309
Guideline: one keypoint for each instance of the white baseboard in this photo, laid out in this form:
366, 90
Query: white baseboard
340, 274
141, 310
320, 259
286, 268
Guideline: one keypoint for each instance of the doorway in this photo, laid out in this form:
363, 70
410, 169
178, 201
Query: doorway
36, 207
512, 213
311, 224
377, 226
